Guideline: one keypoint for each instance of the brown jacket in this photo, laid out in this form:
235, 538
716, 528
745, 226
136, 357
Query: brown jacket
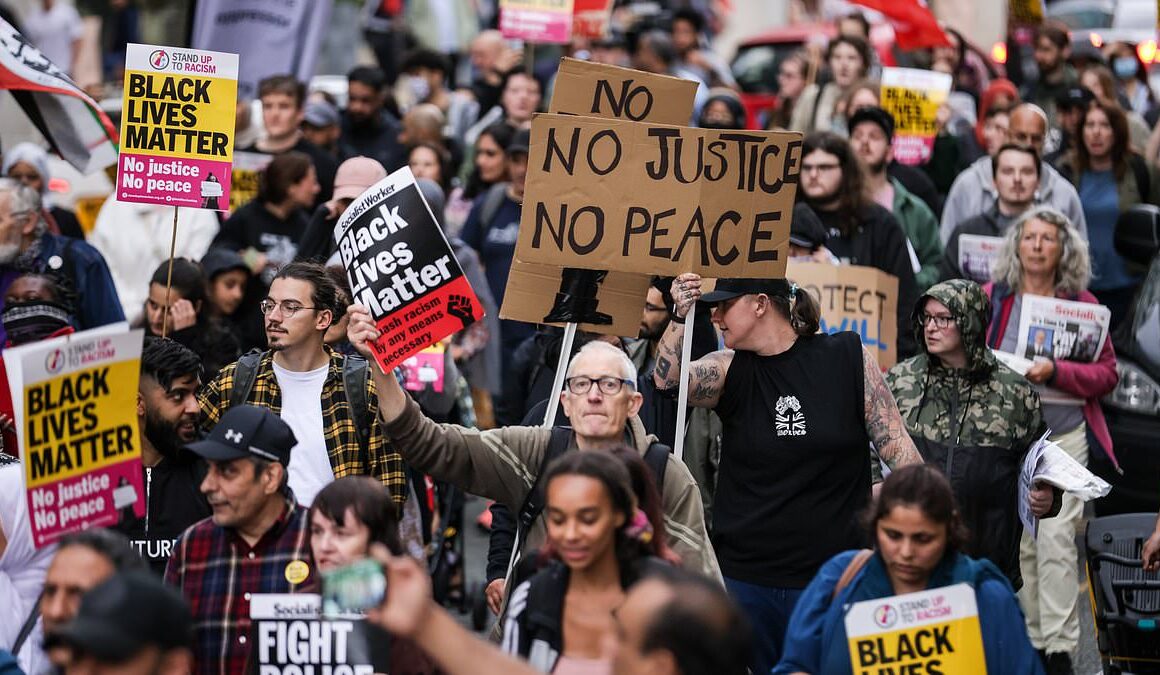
502, 464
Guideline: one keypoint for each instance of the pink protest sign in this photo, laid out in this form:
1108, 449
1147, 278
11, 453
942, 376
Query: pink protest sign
536, 21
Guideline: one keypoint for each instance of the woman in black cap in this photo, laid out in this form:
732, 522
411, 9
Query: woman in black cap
799, 410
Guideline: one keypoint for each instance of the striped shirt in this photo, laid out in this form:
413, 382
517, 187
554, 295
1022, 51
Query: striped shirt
217, 572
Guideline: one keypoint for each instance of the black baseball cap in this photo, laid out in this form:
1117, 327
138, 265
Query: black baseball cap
876, 115
221, 260
1074, 97
520, 142
806, 229
124, 614
727, 289
247, 431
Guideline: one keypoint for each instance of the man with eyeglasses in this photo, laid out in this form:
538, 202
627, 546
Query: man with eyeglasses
327, 398
973, 417
974, 192
601, 400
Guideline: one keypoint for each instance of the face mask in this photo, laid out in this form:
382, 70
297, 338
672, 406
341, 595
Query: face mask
1125, 67
33, 320
419, 88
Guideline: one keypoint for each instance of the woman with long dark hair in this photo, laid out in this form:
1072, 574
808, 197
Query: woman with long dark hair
1109, 178
799, 410
918, 540
599, 543
185, 315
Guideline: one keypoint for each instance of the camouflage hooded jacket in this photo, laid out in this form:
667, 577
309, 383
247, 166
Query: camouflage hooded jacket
983, 404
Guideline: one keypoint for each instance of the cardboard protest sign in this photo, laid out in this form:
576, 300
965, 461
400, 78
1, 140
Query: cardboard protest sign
532, 292
855, 298
537, 21
658, 199
75, 401
289, 637
177, 127
591, 19
935, 631
913, 97
402, 269
247, 172
977, 256
612, 92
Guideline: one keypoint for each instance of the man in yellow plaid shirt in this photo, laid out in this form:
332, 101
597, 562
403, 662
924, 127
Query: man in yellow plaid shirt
304, 382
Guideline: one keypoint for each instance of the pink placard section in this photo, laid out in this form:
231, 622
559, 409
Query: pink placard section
174, 181
93, 499
536, 26
913, 150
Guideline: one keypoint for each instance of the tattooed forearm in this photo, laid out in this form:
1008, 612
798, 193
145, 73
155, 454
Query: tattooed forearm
668, 354
663, 367
883, 422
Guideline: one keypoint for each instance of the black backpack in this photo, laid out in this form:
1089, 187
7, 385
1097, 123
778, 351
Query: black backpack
656, 458
355, 372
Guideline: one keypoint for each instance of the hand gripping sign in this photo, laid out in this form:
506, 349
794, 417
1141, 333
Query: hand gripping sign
75, 405
402, 269
177, 127
935, 631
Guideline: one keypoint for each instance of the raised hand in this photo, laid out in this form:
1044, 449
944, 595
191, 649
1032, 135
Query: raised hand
462, 308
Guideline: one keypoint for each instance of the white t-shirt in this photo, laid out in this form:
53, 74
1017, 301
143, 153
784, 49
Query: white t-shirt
310, 468
54, 32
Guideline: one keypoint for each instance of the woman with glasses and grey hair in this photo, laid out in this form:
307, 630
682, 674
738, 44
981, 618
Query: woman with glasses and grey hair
1043, 254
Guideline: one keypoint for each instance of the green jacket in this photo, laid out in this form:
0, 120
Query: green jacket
984, 404
921, 228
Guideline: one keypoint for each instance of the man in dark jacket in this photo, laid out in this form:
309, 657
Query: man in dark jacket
1016, 171
367, 128
973, 417
167, 413
860, 231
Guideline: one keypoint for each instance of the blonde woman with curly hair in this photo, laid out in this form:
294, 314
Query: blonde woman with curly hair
1043, 254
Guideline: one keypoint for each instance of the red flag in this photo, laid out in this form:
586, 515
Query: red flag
914, 25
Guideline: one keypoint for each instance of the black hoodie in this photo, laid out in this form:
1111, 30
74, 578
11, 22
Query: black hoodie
173, 502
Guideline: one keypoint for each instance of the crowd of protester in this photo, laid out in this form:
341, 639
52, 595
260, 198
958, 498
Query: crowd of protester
276, 451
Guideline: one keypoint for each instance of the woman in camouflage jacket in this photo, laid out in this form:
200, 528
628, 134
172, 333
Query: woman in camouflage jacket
972, 416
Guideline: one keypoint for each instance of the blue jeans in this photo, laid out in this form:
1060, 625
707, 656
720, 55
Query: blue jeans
768, 609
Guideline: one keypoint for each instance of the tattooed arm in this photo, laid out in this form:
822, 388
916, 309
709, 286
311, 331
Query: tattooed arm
883, 421
707, 374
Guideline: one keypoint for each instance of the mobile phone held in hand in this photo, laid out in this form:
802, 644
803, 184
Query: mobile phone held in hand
353, 589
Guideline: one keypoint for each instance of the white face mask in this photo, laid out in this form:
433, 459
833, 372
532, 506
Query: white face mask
418, 87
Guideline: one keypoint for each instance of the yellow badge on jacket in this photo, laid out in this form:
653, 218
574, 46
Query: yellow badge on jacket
297, 571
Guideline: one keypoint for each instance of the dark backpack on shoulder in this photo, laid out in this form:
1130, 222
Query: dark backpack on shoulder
656, 458
355, 373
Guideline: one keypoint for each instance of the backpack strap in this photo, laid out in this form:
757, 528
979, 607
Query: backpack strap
535, 501
852, 569
26, 629
492, 200
355, 372
657, 459
245, 374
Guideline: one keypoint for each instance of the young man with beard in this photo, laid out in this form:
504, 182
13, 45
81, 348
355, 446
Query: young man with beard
306, 383
860, 232
167, 415
871, 136
283, 109
973, 192
1052, 50
1016, 170
367, 128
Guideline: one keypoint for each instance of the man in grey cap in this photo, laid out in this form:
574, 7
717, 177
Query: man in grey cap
131, 622
256, 541
320, 126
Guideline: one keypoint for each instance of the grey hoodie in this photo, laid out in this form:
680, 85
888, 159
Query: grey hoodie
973, 193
